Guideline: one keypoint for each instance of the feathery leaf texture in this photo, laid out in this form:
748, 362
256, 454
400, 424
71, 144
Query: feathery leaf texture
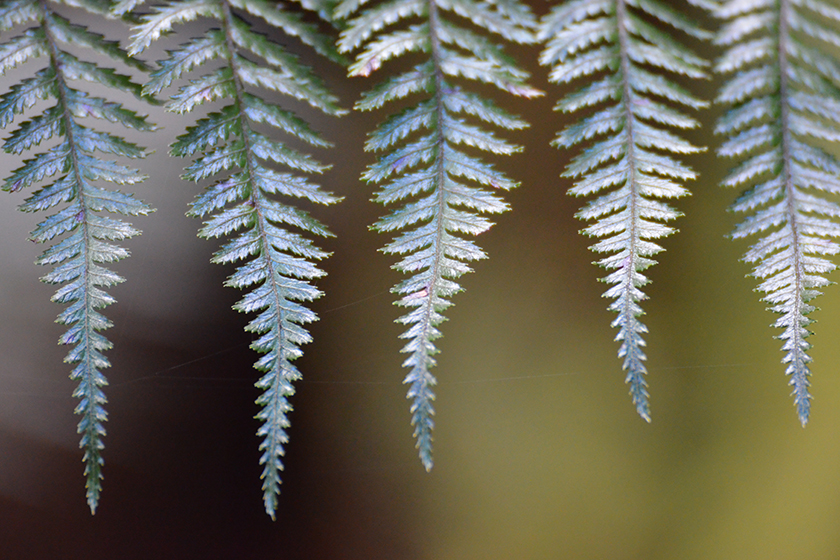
628, 64
427, 163
86, 239
231, 146
785, 103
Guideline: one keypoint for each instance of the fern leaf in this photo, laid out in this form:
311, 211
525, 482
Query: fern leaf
89, 239
629, 65
422, 155
784, 102
275, 264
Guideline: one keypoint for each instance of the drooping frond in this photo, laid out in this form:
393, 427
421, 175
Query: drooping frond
625, 54
81, 239
429, 161
251, 198
785, 103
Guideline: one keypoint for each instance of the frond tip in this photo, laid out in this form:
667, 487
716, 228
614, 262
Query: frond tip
427, 161
629, 163
233, 146
81, 239
785, 105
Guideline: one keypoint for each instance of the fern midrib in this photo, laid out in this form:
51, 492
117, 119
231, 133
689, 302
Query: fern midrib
422, 378
440, 171
627, 94
255, 200
630, 266
89, 388
800, 385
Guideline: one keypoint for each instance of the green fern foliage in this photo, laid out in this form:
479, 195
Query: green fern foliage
81, 239
625, 54
429, 161
784, 93
251, 198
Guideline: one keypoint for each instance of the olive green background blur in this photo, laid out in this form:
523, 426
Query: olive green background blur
539, 452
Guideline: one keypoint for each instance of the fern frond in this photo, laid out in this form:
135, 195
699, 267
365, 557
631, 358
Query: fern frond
427, 151
277, 265
629, 65
785, 105
89, 239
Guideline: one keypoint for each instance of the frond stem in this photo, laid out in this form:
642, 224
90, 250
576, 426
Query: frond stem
423, 380
274, 447
88, 383
632, 361
799, 366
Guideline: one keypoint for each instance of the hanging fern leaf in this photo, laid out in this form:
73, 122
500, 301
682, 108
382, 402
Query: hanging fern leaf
427, 162
628, 63
785, 106
231, 146
82, 239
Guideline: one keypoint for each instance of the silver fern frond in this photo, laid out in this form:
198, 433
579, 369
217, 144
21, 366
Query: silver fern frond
785, 104
251, 199
627, 65
82, 239
427, 163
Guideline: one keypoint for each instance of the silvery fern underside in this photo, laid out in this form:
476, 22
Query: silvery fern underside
784, 91
626, 53
81, 239
256, 179
430, 160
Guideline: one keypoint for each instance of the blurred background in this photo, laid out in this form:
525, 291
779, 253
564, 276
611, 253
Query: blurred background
539, 451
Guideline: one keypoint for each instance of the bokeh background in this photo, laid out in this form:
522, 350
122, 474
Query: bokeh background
539, 452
